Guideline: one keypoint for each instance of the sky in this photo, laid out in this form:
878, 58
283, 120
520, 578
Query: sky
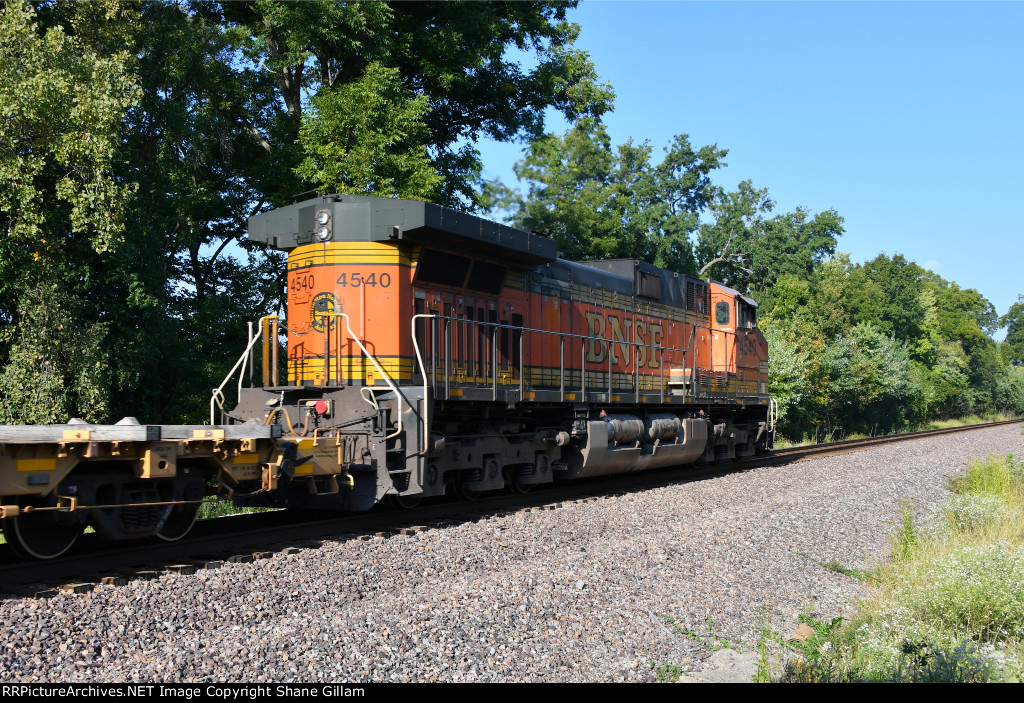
906, 118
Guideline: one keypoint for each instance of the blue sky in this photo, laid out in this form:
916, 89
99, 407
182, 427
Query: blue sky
906, 117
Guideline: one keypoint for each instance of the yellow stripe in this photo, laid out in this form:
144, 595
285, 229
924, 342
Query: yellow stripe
246, 459
351, 253
347, 260
37, 464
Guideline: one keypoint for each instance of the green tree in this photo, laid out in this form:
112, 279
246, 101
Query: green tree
58, 367
749, 251
865, 384
369, 137
890, 296
597, 202
450, 55
62, 208
1013, 321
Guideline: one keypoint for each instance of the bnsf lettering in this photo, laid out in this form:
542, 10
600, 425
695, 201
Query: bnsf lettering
596, 349
622, 340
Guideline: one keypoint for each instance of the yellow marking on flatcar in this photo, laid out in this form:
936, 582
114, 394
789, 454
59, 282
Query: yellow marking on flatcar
304, 469
246, 459
529, 395
37, 464
456, 392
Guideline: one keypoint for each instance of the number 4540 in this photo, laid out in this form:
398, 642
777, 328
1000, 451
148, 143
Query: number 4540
358, 279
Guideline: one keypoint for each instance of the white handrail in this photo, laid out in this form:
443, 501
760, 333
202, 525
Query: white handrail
218, 392
423, 373
383, 374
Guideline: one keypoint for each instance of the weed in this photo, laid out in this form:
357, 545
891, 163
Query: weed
904, 536
837, 567
223, 508
668, 673
762, 673
713, 642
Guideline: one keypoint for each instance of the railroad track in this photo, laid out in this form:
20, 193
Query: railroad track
245, 538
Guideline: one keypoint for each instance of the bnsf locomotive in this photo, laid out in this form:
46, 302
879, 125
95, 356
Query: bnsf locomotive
425, 352
430, 351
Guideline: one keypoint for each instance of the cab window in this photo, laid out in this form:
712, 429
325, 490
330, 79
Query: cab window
748, 315
722, 313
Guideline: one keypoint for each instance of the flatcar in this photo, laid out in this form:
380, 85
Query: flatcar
429, 351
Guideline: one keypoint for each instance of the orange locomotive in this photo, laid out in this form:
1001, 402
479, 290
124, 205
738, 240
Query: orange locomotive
431, 351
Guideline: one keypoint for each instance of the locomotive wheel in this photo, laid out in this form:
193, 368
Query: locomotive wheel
39, 536
467, 494
179, 523
407, 502
516, 487
512, 482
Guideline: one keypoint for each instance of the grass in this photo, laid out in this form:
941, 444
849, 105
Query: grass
786, 442
963, 421
949, 606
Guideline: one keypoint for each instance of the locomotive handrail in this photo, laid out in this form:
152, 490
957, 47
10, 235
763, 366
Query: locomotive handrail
380, 370
218, 392
423, 373
430, 380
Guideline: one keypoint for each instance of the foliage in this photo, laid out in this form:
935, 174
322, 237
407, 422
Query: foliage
57, 367
451, 57
788, 379
748, 251
368, 137
62, 208
1013, 321
61, 105
884, 346
600, 203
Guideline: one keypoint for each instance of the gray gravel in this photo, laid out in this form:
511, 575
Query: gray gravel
593, 591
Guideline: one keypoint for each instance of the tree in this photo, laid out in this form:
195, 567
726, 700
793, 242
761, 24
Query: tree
369, 137
62, 208
451, 55
724, 245
891, 296
747, 250
1013, 321
602, 203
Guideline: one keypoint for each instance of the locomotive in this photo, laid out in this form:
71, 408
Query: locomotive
430, 351
425, 352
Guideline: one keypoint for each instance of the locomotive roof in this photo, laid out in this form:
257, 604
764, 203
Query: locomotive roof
670, 287
364, 218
